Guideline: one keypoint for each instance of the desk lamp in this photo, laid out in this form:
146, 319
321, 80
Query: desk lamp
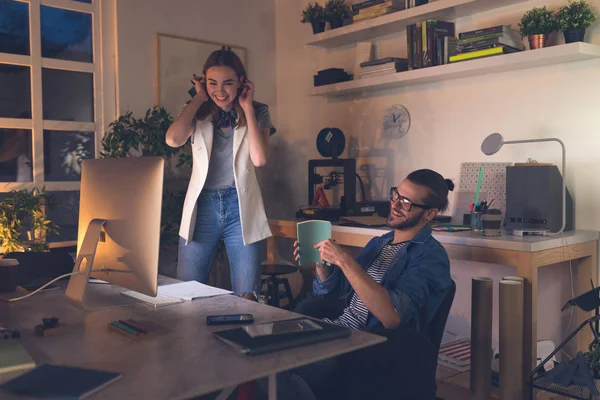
494, 142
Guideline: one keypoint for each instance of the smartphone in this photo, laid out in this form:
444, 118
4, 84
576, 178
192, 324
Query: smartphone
192, 92
229, 319
282, 327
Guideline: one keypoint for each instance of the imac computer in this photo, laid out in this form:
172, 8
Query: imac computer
119, 230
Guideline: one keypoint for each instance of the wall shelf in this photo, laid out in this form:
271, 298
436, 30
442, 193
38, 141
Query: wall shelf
507, 62
397, 22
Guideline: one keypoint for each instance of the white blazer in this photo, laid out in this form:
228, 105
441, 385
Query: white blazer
254, 222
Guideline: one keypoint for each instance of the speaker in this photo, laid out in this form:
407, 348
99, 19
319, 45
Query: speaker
534, 198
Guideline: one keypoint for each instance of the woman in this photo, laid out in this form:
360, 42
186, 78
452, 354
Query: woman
230, 137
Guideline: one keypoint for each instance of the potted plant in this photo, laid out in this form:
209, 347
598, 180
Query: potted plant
335, 13
573, 19
132, 137
593, 359
23, 223
314, 14
537, 24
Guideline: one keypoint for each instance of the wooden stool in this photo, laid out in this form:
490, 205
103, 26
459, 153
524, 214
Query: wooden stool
273, 271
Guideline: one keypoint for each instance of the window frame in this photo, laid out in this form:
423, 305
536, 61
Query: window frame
36, 63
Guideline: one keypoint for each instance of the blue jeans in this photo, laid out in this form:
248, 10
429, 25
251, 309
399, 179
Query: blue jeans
218, 217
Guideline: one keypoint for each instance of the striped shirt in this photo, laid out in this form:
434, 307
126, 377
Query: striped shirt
355, 315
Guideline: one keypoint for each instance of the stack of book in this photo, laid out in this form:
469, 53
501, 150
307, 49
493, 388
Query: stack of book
375, 8
383, 66
331, 75
456, 355
430, 43
487, 42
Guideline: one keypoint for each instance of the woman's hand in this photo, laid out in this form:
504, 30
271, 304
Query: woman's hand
200, 86
246, 96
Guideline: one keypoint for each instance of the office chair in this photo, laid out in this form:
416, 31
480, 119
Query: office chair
435, 332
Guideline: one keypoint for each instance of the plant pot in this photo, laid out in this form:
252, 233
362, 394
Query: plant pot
336, 23
537, 41
574, 35
318, 27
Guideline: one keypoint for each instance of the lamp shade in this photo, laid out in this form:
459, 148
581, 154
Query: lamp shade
492, 144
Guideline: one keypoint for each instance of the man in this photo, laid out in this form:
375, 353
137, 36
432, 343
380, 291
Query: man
393, 288
401, 277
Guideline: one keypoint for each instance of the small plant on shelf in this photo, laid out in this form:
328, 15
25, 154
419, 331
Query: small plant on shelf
573, 19
314, 14
537, 24
335, 13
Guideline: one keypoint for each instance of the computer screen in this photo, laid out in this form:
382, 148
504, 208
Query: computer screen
119, 228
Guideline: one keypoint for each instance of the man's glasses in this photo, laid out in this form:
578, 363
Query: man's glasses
405, 203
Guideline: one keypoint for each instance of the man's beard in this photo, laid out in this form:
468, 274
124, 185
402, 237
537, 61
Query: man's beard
404, 224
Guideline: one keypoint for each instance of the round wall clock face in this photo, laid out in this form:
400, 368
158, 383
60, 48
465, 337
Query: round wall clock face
396, 122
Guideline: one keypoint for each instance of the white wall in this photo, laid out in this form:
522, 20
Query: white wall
246, 24
449, 121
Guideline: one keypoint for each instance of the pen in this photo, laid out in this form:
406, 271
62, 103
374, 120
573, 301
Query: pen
123, 327
135, 328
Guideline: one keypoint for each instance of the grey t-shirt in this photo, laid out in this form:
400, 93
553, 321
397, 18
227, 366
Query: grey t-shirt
220, 168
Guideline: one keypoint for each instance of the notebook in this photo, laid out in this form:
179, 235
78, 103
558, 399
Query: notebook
13, 356
57, 381
246, 344
309, 234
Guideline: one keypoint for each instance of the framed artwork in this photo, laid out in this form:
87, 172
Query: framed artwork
178, 59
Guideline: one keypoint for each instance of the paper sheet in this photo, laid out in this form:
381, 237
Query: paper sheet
191, 290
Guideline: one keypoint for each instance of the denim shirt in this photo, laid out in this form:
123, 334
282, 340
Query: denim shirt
417, 280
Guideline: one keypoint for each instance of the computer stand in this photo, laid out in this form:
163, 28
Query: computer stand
78, 292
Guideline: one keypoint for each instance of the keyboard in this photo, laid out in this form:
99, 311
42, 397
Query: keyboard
158, 301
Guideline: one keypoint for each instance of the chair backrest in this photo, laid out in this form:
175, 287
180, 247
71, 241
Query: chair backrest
435, 331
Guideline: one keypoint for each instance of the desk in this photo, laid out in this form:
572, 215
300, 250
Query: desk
185, 362
527, 254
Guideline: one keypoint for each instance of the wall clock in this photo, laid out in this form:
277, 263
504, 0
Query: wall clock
396, 122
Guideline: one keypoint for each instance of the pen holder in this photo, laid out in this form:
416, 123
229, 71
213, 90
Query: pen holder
476, 221
492, 223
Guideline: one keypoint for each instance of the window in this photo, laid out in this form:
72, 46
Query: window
51, 99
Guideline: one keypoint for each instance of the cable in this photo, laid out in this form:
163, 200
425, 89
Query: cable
42, 287
362, 188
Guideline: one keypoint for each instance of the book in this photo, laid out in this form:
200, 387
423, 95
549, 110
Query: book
380, 73
499, 29
191, 290
432, 31
374, 14
396, 60
463, 47
376, 7
456, 355
57, 381
487, 46
365, 4
14, 357
481, 53
310, 233
373, 3
396, 67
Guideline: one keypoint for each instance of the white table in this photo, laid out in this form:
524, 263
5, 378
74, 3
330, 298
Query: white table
184, 362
